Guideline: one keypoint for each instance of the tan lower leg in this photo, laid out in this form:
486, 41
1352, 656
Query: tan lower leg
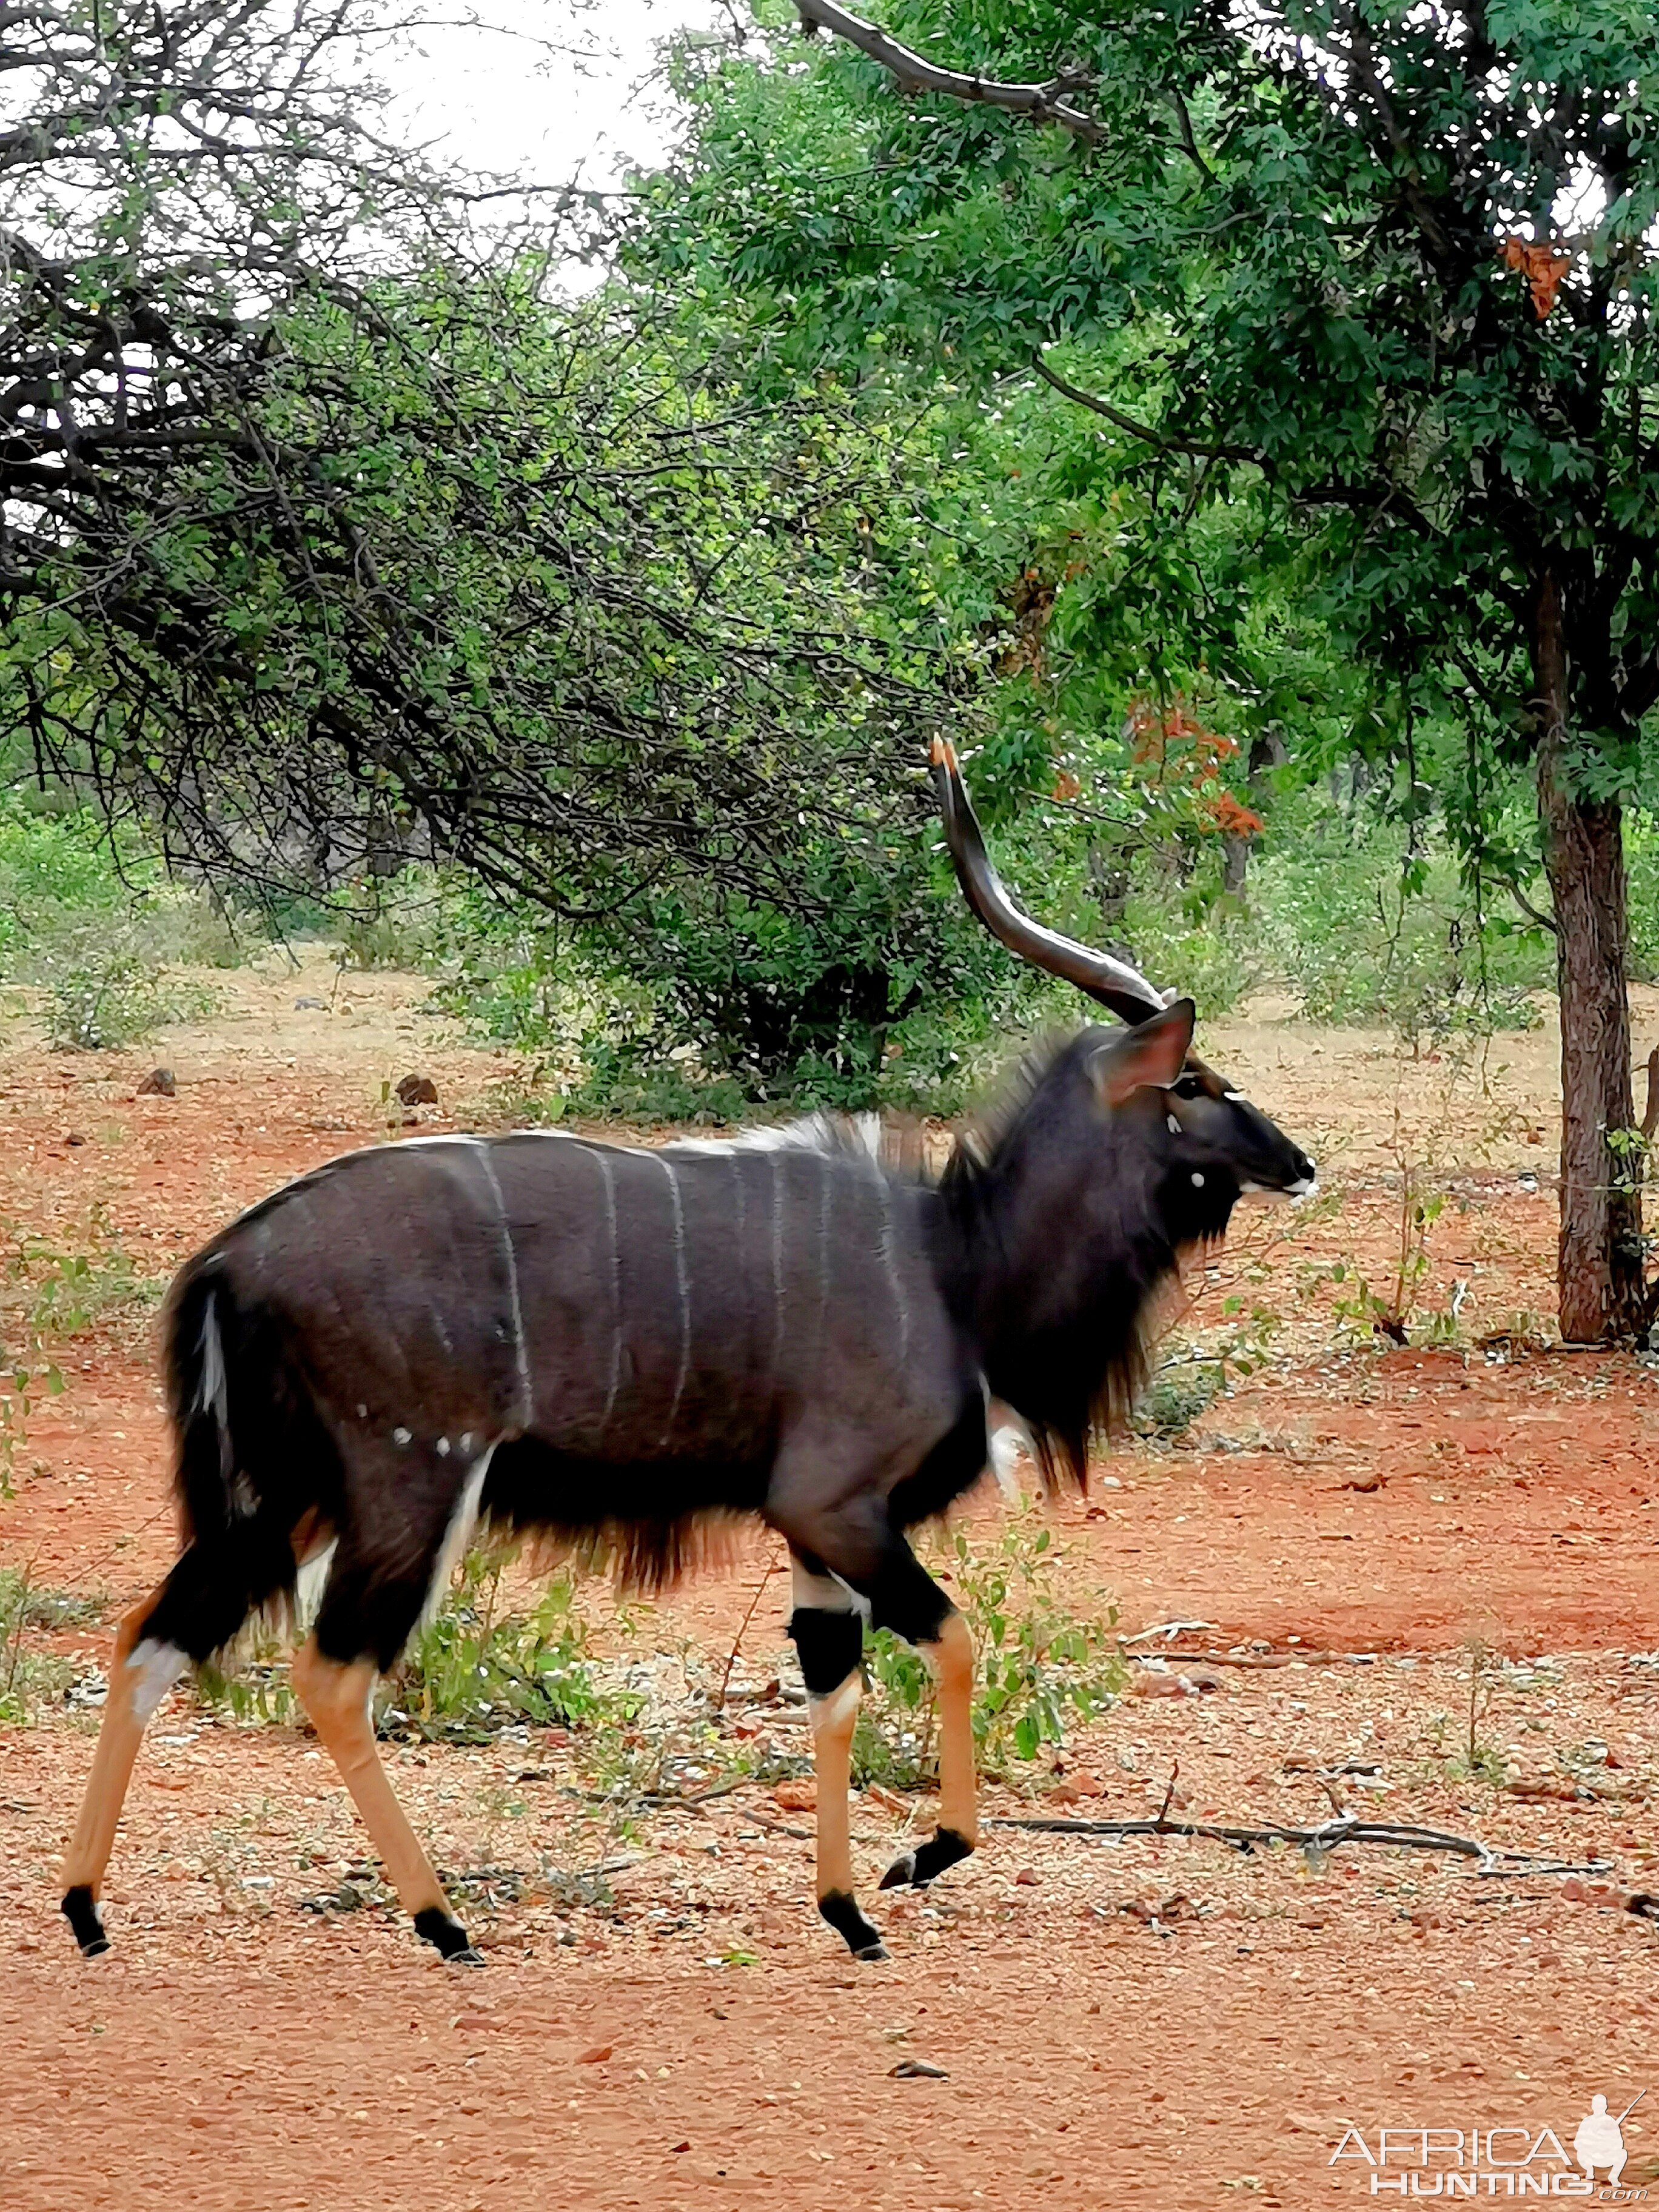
951, 1659
833, 1718
337, 1698
118, 1737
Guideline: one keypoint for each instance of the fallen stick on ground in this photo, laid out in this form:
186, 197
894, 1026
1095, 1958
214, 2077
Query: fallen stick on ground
1316, 1842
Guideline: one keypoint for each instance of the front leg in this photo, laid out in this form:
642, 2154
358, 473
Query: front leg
828, 1629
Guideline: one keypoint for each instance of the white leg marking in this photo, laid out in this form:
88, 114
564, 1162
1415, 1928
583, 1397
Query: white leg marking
838, 1706
828, 1593
1007, 1445
309, 1583
459, 1534
152, 1670
211, 1397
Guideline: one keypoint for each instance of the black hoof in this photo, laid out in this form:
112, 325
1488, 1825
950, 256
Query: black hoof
82, 1914
873, 1955
920, 1867
861, 1936
446, 1936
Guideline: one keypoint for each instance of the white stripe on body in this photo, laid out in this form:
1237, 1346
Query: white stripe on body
598, 1153
890, 1263
777, 1267
682, 1281
526, 1394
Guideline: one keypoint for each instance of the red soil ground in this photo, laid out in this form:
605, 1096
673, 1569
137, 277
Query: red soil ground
1401, 1528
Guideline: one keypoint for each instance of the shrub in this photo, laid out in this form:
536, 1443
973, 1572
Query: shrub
30, 1678
1040, 1669
1356, 946
474, 1668
92, 923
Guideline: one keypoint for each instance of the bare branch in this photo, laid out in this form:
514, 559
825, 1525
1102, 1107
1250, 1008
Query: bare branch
1042, 103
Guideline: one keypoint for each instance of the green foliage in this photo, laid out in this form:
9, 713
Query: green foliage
1367, 931
1040, 1669
64, 1293
475, 1669
1181, 1392
1642, 863
253, 1692
111, 997
90, 922
30, 1678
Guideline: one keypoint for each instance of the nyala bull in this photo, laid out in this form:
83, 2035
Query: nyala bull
624, 1349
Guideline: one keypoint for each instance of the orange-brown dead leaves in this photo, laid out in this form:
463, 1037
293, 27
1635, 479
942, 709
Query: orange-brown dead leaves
1542, 267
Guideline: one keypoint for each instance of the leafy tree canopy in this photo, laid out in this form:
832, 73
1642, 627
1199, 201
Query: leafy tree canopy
1385, 271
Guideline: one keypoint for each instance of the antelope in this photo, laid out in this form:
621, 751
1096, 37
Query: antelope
632, 1349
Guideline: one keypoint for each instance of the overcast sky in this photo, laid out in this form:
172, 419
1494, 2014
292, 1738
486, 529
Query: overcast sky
499, 101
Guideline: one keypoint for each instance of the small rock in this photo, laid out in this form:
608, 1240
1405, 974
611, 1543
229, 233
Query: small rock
917, 2069
596, 2055
1028, 1878
158, 1083
75, 1137
311, 1005
417, 1090
796, 1797
1195, 1680
1148, 1683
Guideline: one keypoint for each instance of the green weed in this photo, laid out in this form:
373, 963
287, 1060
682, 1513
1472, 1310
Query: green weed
1040, 1669
475, 1669
30, 1678
68, 1292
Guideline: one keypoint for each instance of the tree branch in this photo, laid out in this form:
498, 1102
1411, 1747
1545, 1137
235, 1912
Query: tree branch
1042, 103
1189, 143
1533, 913
1144, 431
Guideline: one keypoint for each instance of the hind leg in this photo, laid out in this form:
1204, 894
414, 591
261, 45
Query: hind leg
396, 1563
143, 1669
336, 1694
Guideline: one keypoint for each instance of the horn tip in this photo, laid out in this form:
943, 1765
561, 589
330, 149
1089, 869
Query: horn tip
944, 753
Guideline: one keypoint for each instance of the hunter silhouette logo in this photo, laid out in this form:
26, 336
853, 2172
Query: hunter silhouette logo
1487, 2161
1601, 2140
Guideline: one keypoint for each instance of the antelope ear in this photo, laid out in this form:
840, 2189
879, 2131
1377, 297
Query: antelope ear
1154, 1054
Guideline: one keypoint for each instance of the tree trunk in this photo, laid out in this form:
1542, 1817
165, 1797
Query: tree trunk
1599, 1264
1266, 751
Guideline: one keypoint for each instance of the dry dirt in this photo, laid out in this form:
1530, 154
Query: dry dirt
1401, 1532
